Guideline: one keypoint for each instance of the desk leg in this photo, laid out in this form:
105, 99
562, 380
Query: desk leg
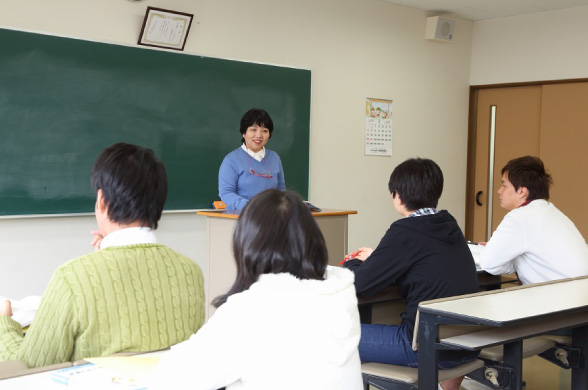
513, 357
580, 340
428, 354
365, 314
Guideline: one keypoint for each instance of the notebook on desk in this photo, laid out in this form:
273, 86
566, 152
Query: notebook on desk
110, 372
476, 253
24, 310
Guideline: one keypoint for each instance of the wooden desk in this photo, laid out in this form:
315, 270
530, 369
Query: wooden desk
517, 313
43, 380
486, 282
221, 270
40, 380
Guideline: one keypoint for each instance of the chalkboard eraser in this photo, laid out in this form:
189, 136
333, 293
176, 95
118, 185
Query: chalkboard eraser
218, 205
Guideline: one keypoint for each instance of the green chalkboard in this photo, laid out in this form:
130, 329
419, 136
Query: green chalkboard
64, 100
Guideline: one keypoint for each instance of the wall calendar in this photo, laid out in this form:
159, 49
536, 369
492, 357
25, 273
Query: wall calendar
378, 127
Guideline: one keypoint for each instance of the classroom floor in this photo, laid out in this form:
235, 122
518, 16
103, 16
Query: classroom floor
538, 374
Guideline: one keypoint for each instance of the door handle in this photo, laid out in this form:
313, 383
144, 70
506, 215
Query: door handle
478, 198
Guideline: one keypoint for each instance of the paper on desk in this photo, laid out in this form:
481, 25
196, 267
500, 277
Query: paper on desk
114, 373
23, 311
476, 253
106, 373
136, 367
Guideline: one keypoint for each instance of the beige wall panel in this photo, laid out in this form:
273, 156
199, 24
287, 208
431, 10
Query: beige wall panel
564, 139
547, 45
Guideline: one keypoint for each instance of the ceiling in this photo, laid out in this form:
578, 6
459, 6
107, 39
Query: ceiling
488, 9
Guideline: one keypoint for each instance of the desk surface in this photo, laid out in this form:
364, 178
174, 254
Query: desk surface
391, 294
519, 304
43, 380
235, 214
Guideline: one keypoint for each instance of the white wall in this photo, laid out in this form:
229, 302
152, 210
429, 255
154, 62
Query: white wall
354, 48
543, 46
32, 248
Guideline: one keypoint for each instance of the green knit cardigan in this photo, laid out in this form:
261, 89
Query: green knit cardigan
131, 298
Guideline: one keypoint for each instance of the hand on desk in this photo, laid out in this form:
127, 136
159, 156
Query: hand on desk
97, 240
5, 308
360, 254
364, 253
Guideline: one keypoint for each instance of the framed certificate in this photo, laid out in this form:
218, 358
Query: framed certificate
165, 28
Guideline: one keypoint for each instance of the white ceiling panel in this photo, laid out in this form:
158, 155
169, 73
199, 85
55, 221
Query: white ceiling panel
488, 9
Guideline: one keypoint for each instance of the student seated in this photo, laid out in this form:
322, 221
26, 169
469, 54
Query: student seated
289, 321
425, 255
132, 294
535, 239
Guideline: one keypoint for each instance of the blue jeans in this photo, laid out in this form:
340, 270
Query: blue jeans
390, 344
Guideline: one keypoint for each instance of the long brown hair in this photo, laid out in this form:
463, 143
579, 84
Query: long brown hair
276, 233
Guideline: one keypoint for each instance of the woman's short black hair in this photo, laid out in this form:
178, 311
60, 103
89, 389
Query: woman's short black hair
276, 233
133, 184
256, 116
418, 181
529, 172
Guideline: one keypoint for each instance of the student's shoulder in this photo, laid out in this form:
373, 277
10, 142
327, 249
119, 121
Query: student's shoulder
399, 231
77, 265
446, 215
90, 257
123, 251
532, 213
181, 258
120, 251
400, 224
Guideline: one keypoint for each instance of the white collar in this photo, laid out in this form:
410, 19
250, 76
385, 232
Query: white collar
258, 156
129, 236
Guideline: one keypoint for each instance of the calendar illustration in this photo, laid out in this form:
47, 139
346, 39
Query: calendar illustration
378, 127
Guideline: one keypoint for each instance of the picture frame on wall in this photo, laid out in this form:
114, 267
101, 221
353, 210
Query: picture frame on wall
165, 28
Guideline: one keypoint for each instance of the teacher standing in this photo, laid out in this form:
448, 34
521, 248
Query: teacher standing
251, 168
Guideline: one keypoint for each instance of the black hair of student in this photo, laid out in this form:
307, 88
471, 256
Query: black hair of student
276, 233
418, 181
133, 184
256, 116
529, 171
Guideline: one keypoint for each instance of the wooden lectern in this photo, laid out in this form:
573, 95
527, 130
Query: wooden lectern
221, 269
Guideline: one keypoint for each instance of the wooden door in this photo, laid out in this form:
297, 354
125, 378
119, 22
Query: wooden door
548, 120
563, 148
516, 121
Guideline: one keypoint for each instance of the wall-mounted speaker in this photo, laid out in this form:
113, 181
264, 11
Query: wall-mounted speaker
439, 29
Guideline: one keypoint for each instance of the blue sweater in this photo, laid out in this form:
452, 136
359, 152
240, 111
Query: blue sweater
236, 185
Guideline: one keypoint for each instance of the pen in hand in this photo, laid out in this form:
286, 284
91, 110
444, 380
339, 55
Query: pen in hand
350, 256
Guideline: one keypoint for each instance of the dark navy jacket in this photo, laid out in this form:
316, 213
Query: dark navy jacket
427, 257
